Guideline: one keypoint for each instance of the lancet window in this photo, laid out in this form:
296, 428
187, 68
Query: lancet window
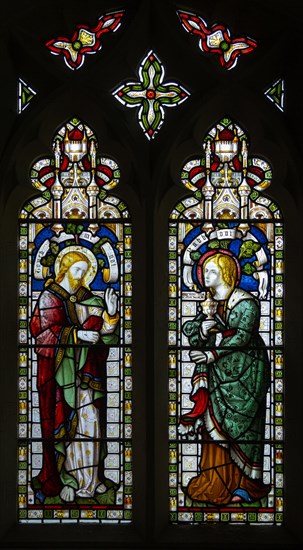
225, 338
75, 310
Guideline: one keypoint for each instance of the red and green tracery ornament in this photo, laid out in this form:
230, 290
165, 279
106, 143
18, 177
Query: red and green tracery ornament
151, 94
217, 39
85, 40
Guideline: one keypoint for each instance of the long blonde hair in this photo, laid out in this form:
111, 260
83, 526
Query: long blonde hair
227, 266
67, 261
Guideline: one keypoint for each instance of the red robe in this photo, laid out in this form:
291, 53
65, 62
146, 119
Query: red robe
53, 321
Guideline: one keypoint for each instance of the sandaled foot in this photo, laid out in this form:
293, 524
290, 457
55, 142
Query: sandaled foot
236, 498
240, 495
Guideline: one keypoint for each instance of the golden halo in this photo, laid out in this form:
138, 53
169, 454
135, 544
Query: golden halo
91, 272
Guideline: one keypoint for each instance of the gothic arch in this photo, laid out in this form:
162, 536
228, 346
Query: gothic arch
151, 173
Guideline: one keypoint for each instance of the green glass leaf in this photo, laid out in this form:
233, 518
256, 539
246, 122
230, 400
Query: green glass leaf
48, 260
54, 247
71, 228
222, 225
248, 269
248, 249
214, 244
80, 228
97, 246
196, 255
224, 244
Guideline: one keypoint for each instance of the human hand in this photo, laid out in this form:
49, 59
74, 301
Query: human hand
91, 336
198, 356
111, 301
206, 326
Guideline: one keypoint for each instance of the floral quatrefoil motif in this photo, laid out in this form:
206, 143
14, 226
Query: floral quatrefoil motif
150, 94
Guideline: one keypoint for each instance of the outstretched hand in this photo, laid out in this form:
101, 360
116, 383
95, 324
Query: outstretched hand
111, 301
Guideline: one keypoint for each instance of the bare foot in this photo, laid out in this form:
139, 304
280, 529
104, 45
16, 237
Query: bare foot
67, 494
101, 488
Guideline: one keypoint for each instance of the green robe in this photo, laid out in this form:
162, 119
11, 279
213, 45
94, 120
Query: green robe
238, 381
68, 368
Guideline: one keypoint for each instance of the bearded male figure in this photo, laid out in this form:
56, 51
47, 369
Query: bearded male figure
73, 329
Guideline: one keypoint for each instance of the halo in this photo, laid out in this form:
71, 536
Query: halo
91, 272
211, 253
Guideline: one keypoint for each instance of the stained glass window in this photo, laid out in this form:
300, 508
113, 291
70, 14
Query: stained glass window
226, 338
78, 83
75, 317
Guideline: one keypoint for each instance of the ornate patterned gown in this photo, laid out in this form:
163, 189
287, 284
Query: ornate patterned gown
233, 423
